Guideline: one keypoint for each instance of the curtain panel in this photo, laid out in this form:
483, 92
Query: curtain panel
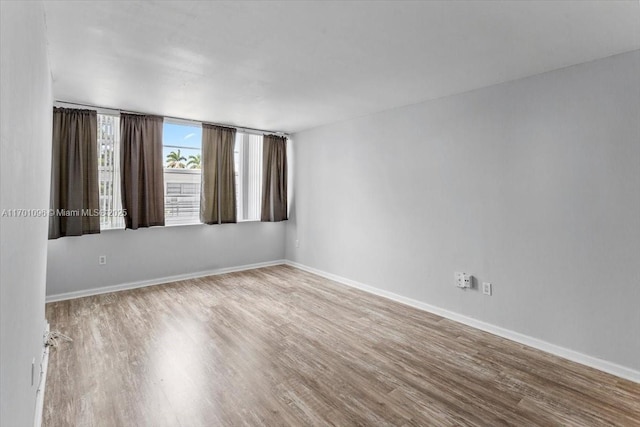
218, 189
141, 167
74, 200
274, 179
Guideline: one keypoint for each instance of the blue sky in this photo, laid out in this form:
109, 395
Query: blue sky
181, 135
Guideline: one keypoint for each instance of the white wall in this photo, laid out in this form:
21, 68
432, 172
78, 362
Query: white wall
533, 185
158, 252
25, 150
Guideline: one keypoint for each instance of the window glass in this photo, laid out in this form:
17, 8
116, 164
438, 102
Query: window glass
182, 151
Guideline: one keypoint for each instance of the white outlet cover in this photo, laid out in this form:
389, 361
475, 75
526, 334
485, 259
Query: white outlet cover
487, 288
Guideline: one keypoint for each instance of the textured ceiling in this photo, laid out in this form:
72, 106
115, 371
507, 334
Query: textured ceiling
291, 65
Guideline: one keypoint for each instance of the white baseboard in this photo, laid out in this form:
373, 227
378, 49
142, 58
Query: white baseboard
44, 365
158, 281
593, 362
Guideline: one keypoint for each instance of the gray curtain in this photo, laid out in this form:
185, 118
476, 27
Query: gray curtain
75, 199
274, 179
218, 191
141, 170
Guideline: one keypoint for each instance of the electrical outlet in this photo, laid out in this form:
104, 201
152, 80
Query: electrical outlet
486, 288
102, 260
463, 280
297, 243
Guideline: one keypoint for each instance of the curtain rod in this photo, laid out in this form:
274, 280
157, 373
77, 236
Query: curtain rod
247, 130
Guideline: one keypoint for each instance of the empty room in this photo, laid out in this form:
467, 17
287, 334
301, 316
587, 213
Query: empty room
317, 213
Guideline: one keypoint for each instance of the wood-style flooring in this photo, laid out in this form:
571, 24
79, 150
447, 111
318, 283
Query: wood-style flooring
279, 346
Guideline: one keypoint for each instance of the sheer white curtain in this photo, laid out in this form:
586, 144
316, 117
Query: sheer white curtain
249, 175
109, 172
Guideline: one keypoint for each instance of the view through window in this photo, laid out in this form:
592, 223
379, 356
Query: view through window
182, 151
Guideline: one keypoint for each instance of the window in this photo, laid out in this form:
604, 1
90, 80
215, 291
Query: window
182, 149
109, 172
248, 165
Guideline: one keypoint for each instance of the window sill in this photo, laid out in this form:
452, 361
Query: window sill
179, 225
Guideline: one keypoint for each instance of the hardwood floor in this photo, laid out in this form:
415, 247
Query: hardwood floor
279, 346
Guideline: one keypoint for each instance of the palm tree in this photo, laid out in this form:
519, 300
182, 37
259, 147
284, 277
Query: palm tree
194, 162
175, 159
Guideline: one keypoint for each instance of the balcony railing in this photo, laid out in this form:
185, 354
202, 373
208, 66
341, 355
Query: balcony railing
182, 196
